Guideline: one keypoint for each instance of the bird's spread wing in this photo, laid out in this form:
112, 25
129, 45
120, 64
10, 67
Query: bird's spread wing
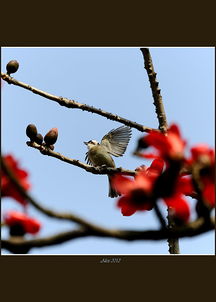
87, 159
115, 142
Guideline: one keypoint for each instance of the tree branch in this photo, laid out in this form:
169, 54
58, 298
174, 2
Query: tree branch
75, 105
161, 115
173, 242
46, 211
19, 245
76, 162
159, 107
192, 229
22, 246
159, 216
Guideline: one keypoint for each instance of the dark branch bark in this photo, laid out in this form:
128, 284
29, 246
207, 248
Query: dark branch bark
159, 216
161, 115
18, 245
75, 105
159, 107
63, 216
173, 242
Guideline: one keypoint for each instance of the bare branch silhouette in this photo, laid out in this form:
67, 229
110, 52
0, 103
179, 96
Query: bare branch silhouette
161, 115
48, 212
192, 229
159, 107
75, 105
20, 245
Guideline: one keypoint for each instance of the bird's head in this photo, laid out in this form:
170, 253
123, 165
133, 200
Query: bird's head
91, 143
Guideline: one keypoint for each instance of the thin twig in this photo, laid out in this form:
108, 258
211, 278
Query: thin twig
160, 216
190, 230
76, 162
75, 105
159, 107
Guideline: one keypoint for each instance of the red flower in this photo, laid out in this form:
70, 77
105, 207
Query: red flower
138, 192
7, 187
208, 194
168, 146
203, 151
203, 157
184, 185
141, 193
179, 207
29, 224
176, 202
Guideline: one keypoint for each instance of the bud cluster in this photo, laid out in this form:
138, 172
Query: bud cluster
49, 139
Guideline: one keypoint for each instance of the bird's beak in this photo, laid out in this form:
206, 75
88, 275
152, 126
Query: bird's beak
86, 143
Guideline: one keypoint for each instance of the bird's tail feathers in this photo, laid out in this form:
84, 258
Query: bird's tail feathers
112, 192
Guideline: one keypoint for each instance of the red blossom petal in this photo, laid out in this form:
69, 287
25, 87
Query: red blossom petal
184, 186
157, 165
176, 145
209, 194
148, 155
13, 216
180, 207
147, 206
4, 181
126, 207
22, 173
127, 211
174, 129
170, 145
29, 224
201, 149
32, 226
157, 140
8, 188
122, 184
143, 181
11, 191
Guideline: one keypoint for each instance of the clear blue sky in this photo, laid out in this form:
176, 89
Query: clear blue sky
115, 80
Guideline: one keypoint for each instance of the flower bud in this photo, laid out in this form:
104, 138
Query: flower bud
12, 66
51, 137
39, 139
31, 131
20, 223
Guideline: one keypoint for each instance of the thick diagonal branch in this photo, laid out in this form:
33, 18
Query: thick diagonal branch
18, 245
75, 105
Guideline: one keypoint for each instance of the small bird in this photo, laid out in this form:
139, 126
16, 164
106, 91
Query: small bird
115, 143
